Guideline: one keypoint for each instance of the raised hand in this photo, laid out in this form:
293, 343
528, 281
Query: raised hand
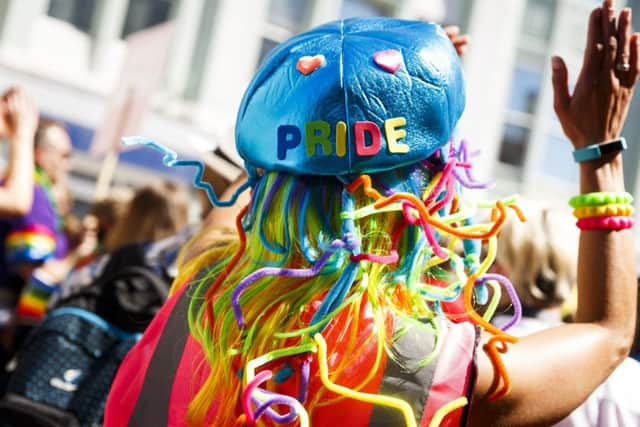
460, 41
20, 113
597, 109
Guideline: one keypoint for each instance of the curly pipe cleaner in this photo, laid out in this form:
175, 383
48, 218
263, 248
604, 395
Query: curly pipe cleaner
276, 399
467, 180
508, 286
339, 290
170, 159
277, 271
248, 391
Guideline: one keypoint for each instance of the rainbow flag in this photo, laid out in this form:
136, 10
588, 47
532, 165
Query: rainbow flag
34, 299
34, 243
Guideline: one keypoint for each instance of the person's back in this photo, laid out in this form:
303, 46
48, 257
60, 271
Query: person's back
331, 306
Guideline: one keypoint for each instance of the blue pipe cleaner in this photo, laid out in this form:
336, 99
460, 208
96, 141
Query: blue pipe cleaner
170, 159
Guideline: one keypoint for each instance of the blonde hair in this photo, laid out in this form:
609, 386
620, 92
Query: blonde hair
153, 213
540, 256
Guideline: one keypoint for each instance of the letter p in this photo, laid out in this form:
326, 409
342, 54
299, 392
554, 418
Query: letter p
289, 137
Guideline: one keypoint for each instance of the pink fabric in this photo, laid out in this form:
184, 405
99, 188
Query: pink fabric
191, 375
452, 378
132, 371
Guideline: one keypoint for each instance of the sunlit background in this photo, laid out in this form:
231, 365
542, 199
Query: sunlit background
75, 57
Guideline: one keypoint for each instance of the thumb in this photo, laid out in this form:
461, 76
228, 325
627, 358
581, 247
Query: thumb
560, 79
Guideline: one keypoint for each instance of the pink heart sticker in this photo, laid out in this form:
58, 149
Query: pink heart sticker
389, 60
308, 64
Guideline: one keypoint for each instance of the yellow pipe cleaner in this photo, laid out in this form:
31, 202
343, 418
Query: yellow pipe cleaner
376, 399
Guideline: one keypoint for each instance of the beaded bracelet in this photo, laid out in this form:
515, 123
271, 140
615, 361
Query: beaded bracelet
605, 223
602, 198
603, 210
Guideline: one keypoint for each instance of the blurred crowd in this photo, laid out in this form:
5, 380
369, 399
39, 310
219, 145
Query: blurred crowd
44, 242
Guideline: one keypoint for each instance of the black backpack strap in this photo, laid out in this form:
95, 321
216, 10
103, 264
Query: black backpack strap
152, 406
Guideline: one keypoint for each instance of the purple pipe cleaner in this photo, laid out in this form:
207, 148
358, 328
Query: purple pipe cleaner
283, 272
276, 399
506, 284
469, 181
279, 399
304, 380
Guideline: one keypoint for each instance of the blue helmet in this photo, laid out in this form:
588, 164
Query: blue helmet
353, 96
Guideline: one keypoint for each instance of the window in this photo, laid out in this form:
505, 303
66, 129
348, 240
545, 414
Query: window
514, 145
520, 114
289, 14
146, 13
538, 19
526, 81
352, 8
525, 88
267, 46
78, 13
284, 19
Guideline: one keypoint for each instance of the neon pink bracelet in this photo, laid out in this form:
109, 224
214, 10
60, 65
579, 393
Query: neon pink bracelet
605, 223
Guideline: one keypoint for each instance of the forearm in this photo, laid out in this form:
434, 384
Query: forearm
543, 366
16, 195
606, 269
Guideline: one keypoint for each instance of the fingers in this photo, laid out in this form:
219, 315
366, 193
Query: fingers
624, 37
560, 80
608, 19
634, 60
452, 31
460, 43
595, 41
610, 55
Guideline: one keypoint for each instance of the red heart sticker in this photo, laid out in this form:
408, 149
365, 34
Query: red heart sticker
308, 64
389, 60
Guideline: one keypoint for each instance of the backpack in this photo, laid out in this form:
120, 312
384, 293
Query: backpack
63, 371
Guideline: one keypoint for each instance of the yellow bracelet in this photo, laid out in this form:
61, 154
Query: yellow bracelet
603, 210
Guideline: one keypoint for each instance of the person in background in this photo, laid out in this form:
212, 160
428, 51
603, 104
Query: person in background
34, 253
153, 213
18, 122
541, 258
156, 217
107, 213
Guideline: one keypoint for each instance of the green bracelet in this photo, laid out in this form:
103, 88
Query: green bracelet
603, 198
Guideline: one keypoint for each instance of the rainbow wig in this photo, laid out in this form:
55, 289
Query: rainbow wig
357, 220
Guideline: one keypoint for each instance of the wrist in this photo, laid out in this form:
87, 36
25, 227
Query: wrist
22, 139
603, 174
